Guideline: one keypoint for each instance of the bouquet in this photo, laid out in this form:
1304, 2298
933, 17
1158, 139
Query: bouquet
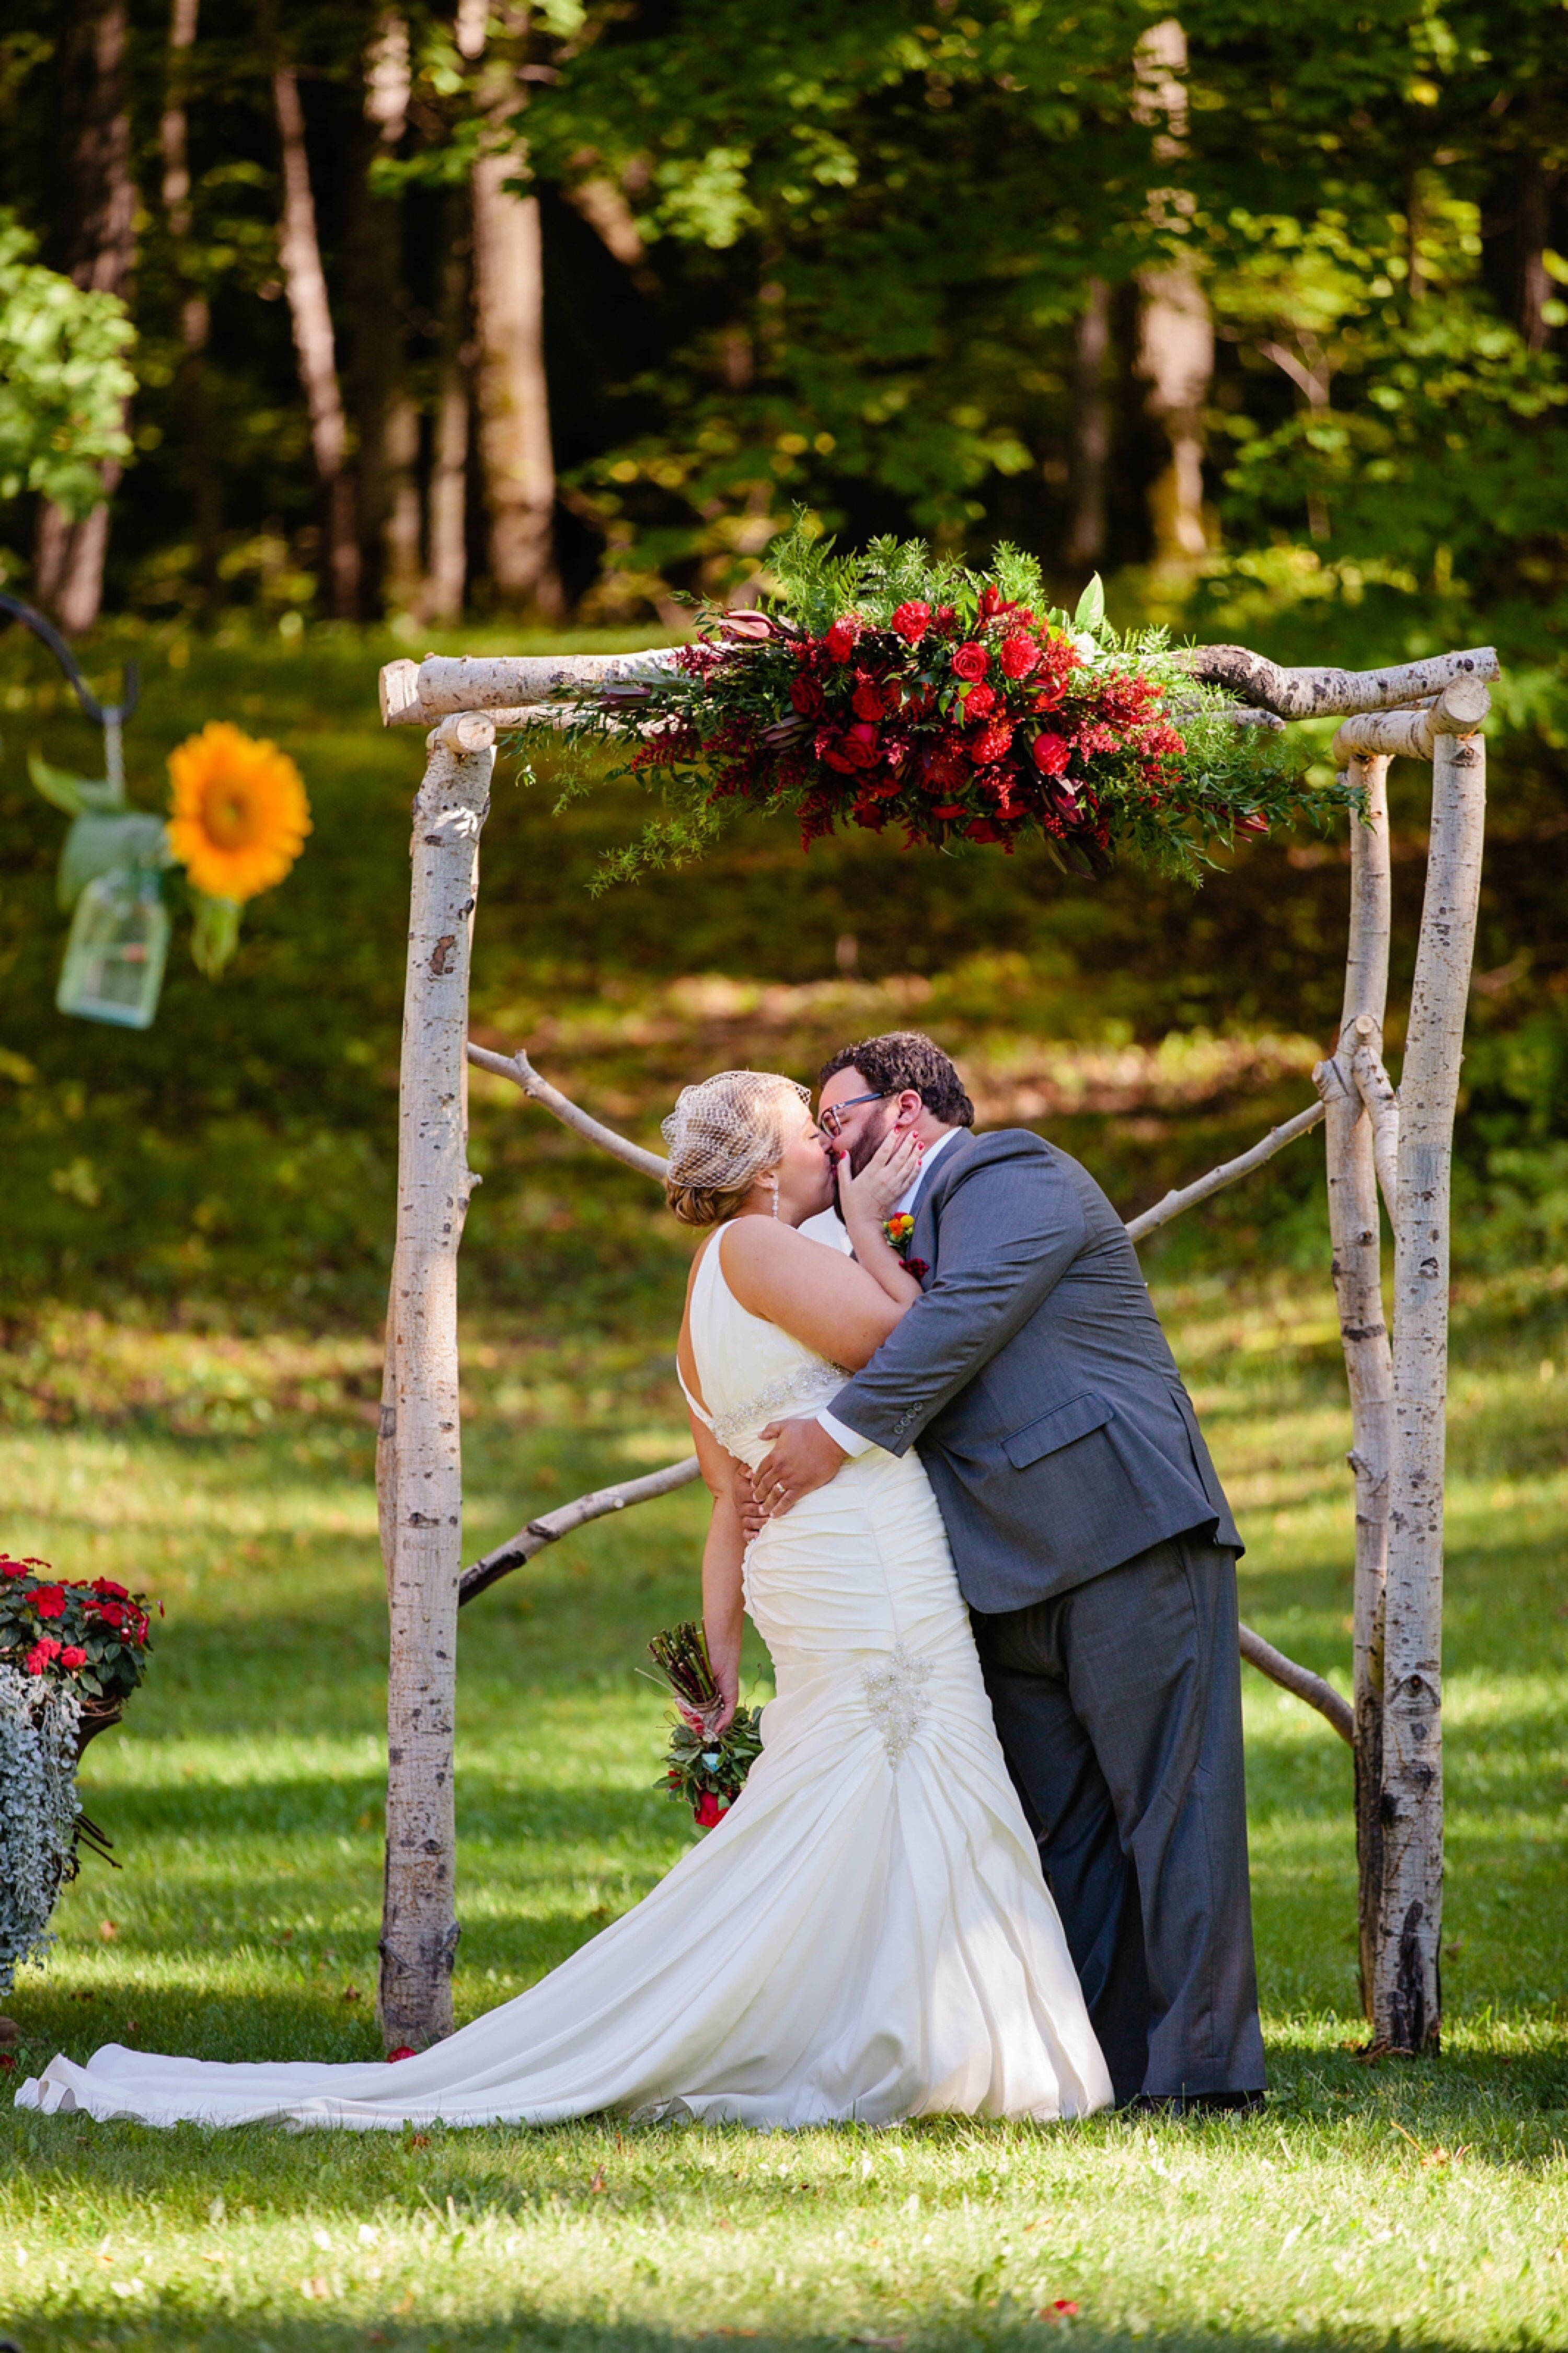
705, 1774
92, 1633
898, 688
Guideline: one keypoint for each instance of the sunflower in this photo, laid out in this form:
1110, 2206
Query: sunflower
240, 815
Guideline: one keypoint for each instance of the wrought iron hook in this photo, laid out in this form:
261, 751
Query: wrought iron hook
105, 715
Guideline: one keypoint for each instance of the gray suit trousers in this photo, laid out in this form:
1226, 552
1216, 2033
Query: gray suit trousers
1119, 1705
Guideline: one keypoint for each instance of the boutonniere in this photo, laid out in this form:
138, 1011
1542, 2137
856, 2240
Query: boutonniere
899, 1232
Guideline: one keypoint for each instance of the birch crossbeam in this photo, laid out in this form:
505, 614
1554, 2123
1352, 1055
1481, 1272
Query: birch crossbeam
415, 694
1329, 693
1413, 734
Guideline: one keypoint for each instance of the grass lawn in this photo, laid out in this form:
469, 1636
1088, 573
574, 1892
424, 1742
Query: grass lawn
1420, 2205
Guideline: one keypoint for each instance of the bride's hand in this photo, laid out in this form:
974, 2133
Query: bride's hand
884, 1180
718, 1716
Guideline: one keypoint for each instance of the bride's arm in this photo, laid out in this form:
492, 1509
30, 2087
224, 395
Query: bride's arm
723, 1608
819, 1297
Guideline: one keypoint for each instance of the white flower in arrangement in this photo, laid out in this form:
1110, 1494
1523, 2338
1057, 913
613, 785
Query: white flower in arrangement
38, 1809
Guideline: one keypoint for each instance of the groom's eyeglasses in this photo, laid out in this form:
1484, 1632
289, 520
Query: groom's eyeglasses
832, 1122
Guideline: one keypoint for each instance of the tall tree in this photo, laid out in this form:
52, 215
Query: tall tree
385, 422
196, 312
305, 282
447, 573
98, 251
515, 448
1175, 329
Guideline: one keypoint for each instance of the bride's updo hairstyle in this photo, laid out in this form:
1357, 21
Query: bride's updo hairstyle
722, 1135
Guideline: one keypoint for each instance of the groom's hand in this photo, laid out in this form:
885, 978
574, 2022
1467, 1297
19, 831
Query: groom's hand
803, 1457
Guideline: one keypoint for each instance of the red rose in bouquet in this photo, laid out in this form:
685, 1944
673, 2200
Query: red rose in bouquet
971, 661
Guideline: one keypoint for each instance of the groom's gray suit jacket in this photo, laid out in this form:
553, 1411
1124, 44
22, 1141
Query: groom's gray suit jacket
1033, 1372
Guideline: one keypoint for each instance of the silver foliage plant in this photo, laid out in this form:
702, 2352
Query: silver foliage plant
38, 1809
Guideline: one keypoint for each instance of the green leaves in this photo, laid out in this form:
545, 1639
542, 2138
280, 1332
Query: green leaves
1089, 610
64, 379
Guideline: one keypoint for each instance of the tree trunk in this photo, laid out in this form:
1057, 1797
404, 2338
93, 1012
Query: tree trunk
423, 1451
1091, 426
1175, 331
513, 395
1176, 352
1407, 1987
98, 251
196, 319
448, 561
384, 419
299, 252
1355, 1237
400, 568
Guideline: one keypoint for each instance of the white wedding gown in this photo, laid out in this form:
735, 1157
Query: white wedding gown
865, 1936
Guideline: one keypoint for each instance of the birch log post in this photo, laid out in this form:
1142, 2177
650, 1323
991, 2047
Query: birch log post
1406, 1986
1356, 1260
421, 1459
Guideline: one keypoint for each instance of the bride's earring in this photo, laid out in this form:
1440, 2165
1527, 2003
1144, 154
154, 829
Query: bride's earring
776, 1197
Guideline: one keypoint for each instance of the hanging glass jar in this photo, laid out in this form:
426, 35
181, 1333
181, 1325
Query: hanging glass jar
119, 943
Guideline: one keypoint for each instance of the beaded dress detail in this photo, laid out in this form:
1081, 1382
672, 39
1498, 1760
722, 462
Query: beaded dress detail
866, 1936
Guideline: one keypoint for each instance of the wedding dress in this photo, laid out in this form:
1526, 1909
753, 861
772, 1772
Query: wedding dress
865, 1936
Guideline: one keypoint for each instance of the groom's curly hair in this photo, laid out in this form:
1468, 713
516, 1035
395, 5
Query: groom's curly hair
905, 1058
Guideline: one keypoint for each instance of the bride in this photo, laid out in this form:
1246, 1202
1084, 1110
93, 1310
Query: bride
866, 1934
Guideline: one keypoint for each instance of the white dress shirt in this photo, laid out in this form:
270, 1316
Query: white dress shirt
850, 1439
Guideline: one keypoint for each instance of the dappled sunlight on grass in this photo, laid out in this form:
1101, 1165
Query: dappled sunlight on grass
1427, 2202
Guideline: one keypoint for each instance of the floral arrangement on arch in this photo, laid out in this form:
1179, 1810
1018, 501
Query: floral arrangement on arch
896, 688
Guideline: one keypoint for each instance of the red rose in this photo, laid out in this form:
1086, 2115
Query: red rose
970, 661
979, 700
49, 1601
709, 1809
868, 702
1051, 753
912, 622
843, 637
990, 744
1018, 657
404, 2051
807, 697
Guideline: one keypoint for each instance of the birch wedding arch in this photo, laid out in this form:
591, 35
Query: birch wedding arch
1381, 1139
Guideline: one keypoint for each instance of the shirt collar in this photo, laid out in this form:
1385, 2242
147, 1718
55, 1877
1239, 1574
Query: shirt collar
907, 1201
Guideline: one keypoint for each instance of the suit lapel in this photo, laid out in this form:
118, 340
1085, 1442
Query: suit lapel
928, 1200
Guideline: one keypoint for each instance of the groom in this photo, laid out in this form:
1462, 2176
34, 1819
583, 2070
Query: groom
1096, 1550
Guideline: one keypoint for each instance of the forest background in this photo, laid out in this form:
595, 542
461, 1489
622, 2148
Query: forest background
331, 332
350, 329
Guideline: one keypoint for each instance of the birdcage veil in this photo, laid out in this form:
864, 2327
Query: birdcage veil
727, 1129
